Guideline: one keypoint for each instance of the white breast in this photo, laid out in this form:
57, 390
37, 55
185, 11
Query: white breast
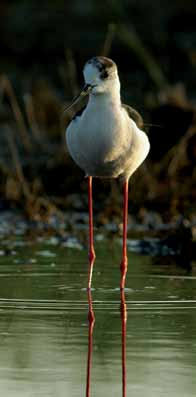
105, 142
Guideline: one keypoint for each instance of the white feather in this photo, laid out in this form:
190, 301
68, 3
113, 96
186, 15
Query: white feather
104, 141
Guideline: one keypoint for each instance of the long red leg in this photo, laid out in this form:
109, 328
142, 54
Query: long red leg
91, 244
124, 331
124, 262
91, 322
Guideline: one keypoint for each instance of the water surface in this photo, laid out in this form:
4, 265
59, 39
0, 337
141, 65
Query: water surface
44, 324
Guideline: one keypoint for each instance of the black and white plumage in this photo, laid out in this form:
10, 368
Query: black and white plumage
106, 139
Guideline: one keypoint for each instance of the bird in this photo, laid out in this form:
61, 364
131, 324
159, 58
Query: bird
106, 140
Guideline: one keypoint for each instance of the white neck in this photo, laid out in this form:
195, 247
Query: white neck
111, 94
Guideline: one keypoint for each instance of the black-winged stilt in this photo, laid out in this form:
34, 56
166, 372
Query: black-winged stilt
105, 139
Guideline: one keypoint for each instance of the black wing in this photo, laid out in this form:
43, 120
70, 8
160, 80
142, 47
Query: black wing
133, 114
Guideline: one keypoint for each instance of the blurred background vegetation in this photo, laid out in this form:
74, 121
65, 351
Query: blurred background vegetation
44, 46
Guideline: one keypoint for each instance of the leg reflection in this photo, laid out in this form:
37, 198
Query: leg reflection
91, 322
124, 330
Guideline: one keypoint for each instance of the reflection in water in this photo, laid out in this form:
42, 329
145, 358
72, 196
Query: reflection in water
124, 330
91, 322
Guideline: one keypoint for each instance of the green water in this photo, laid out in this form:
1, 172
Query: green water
44, 325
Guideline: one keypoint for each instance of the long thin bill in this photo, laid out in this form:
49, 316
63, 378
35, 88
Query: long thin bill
85, 91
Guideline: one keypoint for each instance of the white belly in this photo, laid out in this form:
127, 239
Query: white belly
103, 146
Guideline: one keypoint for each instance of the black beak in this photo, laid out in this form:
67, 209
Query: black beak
85, 91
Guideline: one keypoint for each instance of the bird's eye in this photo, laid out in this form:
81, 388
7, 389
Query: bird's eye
104, 74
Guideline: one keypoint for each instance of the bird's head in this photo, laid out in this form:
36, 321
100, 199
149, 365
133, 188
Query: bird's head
101, 77
100, 74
